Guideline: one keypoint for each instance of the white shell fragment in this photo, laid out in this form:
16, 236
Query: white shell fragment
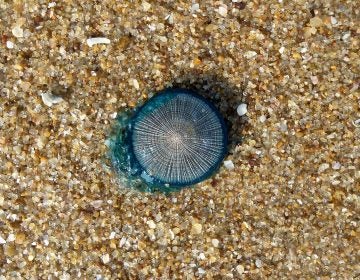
223, 11
314, 80
323, 167
146, 6
18, 32
105, 258
356, 123
9, 44
258, 263
2, 240
11, 237
195, 7
229, 165
97, 40
151, 224
215, 242
52, 5
170, 18
134, 83
336, 165
49, 99
250, 54
96, 203
262, 118
242, 109
240, 269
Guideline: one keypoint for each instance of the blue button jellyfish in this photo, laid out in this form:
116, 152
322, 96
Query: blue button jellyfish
176, 139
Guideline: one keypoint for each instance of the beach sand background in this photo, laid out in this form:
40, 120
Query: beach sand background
288, 210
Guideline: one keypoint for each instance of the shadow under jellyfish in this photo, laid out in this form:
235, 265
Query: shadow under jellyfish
176, 139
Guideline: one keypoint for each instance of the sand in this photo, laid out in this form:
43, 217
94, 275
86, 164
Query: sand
289, 209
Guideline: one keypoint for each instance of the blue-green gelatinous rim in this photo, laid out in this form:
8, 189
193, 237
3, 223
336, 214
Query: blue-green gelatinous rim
122, 151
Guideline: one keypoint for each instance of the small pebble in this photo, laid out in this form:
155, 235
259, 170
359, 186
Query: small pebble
146, 6
49, 99
2, 240
9, 44
211, 27
240, 269
151, 224
250, 54
336, 165
308, 31
171, 234
195, 7
105, 258
18, 32
333, 20
283, 126
96, 203
229, 164
258, 263
356, 123
316, 22
112, 235
222, 10
158, 217
323, 167
134, 83
215, 242
242, 109
282, 50
262, 118
11, 237
314, 80
113, 115
170, 19
196, 228
62, 50
20, 238
346, 36
122, 242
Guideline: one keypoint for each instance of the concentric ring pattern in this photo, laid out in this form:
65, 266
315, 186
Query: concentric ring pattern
180, 141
